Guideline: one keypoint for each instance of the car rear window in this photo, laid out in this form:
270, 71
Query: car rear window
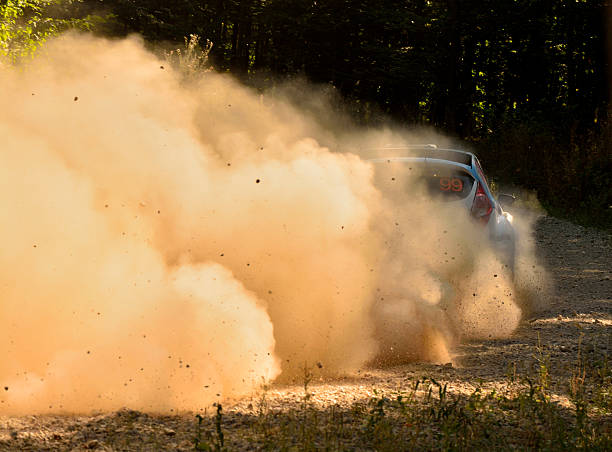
442, 182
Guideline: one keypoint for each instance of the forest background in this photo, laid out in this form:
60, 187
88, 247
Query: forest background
526, 83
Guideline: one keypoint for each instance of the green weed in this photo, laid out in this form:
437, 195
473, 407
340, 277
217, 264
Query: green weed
524, 415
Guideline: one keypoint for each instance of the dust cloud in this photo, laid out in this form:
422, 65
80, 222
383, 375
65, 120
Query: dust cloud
168, 242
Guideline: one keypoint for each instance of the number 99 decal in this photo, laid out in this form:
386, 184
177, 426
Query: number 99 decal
451, 184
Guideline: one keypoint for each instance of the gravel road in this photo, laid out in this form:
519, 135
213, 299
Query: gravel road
575, 322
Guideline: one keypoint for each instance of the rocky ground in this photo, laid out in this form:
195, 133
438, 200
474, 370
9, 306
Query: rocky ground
573, 329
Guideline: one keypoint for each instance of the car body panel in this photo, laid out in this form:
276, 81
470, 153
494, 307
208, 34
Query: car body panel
499, 226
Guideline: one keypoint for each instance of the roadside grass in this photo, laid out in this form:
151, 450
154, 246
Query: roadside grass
527, 415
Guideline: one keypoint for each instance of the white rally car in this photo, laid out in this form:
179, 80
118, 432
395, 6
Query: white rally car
456, 176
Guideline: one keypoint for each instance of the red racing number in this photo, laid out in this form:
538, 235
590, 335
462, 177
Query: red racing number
451, 184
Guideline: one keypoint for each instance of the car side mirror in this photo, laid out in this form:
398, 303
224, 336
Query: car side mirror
505, 199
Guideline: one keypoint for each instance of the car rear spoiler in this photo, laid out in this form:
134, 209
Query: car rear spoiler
428, 151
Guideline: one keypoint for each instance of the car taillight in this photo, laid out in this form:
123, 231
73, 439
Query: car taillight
481, 208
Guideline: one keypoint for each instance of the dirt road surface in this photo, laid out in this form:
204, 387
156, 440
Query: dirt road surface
576, 322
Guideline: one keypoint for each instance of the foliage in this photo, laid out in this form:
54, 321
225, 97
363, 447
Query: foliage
192, 60
26, 24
